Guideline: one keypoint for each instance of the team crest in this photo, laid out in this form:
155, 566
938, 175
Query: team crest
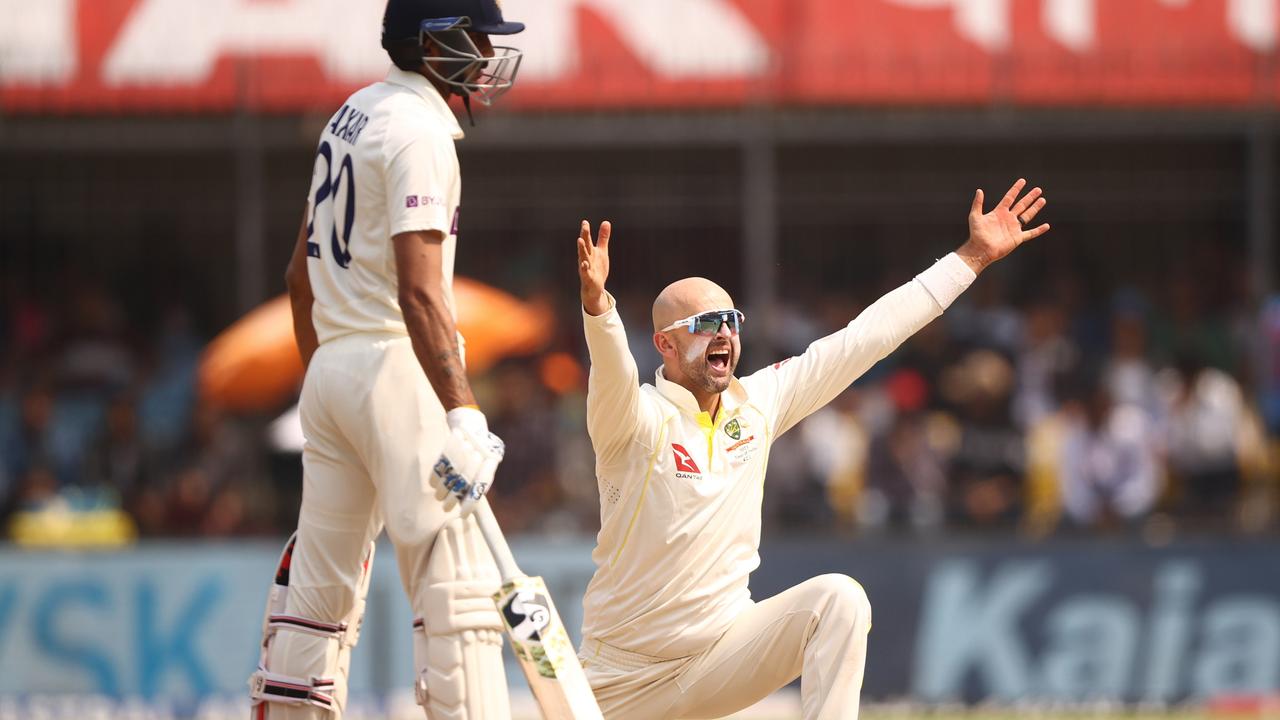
733, 429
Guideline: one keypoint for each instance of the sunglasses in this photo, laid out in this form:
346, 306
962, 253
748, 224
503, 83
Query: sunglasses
709, 323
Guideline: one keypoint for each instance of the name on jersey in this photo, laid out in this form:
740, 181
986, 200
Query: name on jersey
348, 124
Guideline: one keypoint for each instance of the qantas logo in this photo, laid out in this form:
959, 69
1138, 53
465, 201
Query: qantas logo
684, 461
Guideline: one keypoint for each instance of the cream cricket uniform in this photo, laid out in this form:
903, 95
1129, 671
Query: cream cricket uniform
670, 629
385, 164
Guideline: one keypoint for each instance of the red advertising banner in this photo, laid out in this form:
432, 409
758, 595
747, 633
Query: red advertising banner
297, 55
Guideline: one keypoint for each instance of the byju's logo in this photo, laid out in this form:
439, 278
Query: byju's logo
684, 461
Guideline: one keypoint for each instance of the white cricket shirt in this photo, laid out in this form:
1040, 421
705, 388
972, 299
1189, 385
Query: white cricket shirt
385, 164
680, 492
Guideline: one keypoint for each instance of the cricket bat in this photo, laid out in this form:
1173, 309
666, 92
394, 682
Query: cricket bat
537, 634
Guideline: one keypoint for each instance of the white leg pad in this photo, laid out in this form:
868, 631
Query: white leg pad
324, 646
457, 640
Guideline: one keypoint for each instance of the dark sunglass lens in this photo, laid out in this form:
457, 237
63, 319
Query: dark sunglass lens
707, 324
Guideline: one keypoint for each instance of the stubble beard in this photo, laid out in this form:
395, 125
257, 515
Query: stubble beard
693, 363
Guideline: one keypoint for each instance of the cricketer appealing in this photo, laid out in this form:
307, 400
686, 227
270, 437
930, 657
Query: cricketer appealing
670, 629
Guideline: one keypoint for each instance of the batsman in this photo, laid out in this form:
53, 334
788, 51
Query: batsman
670, 629
390, 420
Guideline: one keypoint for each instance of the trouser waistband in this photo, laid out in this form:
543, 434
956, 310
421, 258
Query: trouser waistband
617, 658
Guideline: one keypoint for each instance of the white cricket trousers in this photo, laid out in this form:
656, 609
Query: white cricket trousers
374, 428
816, 631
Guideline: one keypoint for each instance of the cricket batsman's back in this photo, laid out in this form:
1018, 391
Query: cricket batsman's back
385, 164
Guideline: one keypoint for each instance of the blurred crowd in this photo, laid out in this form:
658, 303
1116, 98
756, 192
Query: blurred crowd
99, 412
1142, 410
1124, 411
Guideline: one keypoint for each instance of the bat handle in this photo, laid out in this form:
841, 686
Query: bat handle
493, 536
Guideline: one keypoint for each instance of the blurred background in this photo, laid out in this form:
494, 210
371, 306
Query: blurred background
1063, 493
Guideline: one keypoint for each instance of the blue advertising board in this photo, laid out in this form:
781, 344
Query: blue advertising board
1069, 621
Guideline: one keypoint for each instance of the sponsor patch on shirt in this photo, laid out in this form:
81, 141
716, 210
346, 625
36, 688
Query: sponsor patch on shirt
413, 201
740, 430
686, 468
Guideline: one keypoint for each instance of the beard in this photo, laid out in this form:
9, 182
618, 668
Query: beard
694, 365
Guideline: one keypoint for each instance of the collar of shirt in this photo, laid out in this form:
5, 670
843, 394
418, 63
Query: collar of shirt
734, 396
428, 92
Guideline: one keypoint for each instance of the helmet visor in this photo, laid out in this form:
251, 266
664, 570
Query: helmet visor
462, 66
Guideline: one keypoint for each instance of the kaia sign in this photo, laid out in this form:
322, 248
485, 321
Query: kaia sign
1027, 630
1056, 621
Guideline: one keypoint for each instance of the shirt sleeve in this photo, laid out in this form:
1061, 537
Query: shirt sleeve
617, 412
800, 385
422, 168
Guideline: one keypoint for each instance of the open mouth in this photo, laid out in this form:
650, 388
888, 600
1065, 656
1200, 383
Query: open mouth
719, 359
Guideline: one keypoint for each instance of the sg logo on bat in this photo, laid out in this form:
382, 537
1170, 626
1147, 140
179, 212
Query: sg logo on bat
527, 615
535, 632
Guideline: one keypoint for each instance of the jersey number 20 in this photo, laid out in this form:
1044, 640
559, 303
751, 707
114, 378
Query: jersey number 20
325, 202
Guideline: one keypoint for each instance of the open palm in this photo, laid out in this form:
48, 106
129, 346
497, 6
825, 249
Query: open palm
593, 267
995, 234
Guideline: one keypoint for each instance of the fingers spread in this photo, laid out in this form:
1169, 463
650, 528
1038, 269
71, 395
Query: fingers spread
1007, 201
1030, 214
1034, 233
606, 229
976, 207
1025, 201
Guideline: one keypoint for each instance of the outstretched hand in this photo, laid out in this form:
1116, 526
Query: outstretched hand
995, 234
593, 267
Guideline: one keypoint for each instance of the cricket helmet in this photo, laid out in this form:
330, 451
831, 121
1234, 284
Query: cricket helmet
461, 65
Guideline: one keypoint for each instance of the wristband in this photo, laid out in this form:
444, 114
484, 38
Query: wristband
946, 279
467, 416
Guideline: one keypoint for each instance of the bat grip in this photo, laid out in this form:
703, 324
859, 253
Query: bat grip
497, 543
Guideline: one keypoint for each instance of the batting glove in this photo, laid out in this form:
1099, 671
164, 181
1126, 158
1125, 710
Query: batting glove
471, 454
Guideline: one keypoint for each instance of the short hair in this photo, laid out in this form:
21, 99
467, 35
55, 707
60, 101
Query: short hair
406, 54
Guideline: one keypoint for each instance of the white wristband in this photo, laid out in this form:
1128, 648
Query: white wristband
467, 417
946, 279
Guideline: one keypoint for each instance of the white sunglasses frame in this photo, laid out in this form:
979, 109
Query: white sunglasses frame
689, 321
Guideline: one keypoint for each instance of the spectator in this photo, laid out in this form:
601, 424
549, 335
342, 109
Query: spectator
117, 461
27, 445
1108, 457
988, 463
1207, 416
522, 414
1130, 378
835, 442
1046, 352
907, 477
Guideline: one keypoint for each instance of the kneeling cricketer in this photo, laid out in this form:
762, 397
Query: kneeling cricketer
670, 629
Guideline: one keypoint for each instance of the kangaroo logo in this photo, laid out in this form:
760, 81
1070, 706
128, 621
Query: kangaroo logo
684, 461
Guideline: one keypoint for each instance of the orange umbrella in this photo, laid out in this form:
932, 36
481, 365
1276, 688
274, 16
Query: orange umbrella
254, 364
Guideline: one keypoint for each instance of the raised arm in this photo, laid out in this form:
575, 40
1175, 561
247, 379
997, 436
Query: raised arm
616, 414
804, 384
